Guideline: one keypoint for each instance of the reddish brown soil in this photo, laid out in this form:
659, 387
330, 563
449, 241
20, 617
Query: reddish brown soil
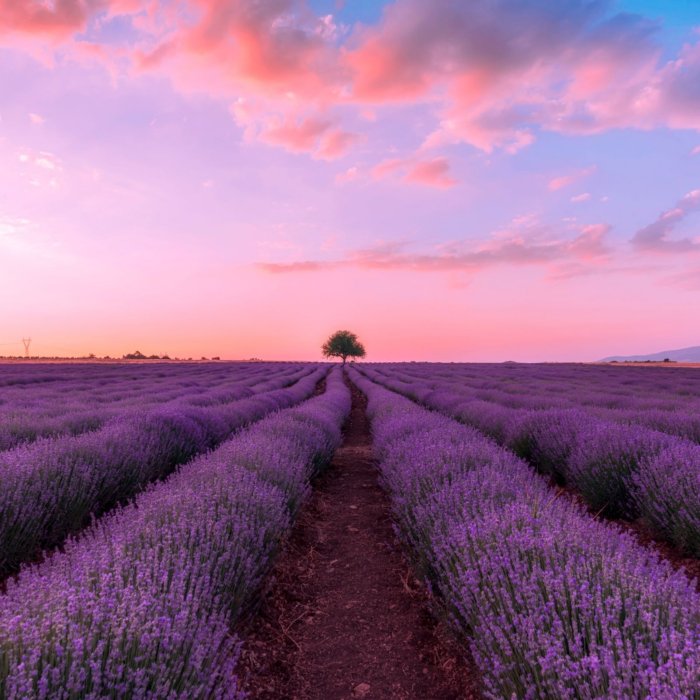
645, 536
42, 554
345, 618
320, 387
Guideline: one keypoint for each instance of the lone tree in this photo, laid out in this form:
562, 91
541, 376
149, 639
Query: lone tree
343, 344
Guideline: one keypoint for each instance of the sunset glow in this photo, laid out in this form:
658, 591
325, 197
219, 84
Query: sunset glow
474, 181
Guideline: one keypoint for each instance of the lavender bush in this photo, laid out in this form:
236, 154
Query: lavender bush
141, 605
53, 486
559, 606
553, 603
604, 460
588, 445
72, 408
546, 438
666, 491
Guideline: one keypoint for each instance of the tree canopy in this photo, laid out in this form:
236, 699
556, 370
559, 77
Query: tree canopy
343, 344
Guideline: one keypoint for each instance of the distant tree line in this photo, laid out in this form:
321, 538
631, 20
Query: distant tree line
138, 355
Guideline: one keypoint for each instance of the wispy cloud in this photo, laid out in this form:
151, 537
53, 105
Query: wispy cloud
23, 237
434, 173
656, 237
350, 175
295, 130
416, 169
40, 168
686, 279
561, 181
523, 244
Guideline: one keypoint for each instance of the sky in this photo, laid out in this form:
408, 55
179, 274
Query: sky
453, 181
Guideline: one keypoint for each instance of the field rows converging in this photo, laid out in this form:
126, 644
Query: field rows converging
345, 618
52, 487
640, 460
291, 531
551, 602
142, 604
70, 407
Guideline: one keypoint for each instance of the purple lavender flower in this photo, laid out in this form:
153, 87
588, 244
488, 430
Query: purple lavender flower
53, 486
604, 460
666, 491
141, 605
552, 602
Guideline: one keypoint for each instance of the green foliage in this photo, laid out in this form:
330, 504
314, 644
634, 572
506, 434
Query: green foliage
343, 344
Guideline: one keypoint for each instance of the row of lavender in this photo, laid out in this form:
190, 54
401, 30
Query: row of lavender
668, 401
40, 376
36, 374
75, 406
621, 469
558, 385
142, 605
123, 384
553, 603
52, 487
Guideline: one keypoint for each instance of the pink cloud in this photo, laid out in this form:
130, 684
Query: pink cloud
496, 71
579, 198
434, 173
278, 48
688, 279
695, 151
388, 167
523, 244
335, 143
590, 244
318, 135
675, 91
297, 136
58, 20
350, 175
431, 172
498, 68
656, 236
558, 183
277, 59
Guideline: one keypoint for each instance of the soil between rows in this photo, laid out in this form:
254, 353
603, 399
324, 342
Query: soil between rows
344, 618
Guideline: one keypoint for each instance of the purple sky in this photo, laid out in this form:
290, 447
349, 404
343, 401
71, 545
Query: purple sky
488, 180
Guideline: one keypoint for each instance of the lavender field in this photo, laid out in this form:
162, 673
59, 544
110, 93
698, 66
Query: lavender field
150, 515
553, 600
475, 225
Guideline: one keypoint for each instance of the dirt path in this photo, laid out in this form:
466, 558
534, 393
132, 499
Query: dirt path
344, 618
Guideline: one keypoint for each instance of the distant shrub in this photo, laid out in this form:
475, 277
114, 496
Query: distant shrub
547, 438
605, 459
666, 490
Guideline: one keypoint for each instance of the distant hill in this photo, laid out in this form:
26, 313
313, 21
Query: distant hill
682, 355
